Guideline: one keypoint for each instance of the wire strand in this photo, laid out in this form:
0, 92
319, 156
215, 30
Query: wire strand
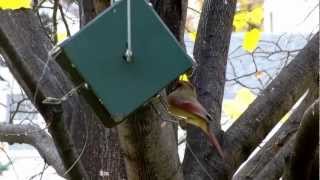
198, 161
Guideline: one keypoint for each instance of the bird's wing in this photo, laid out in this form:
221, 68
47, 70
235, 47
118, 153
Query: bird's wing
214, 141
193, 107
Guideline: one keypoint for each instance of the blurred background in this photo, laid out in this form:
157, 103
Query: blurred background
267, 34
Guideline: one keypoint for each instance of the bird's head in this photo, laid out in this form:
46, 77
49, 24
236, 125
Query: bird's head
186, 86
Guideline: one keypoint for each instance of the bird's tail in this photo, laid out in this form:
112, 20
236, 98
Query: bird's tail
214, 141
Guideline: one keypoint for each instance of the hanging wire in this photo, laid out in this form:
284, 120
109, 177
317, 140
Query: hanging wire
81, 153
129, 52
53, 100
198, 161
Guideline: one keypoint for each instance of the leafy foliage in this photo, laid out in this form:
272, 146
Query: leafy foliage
249, 19
15, 4
251, 39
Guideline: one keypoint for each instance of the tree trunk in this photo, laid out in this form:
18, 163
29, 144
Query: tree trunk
211, 53
150, 151
278, 140
305, 146
29, 66
104, 158
272, 104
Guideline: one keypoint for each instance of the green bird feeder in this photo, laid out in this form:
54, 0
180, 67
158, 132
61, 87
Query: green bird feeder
125, 56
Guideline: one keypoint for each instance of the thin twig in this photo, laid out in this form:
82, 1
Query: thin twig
64, 20
309, 13
40, 173
11, 162
194, 10
43, 27
55, 23
14, 113
36, 8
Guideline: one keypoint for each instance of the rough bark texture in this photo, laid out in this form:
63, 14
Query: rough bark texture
32, 46
14, 57
272, 104
211, 52
150, 150
278, 140
173, 13
64, 143
274, 168
101, 154
106, 158
36, 137
305, 147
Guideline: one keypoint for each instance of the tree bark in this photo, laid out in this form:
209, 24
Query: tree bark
272, 104
105, 160
278, 140
211, 52
274, 168
19, 58
32, 47
150, 151
36, 137
173, 13
305, 146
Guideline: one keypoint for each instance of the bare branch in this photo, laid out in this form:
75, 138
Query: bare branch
211, 53
55, 23
278, 140
268, 108
305, 146
274, 168
36, 137
64, 20
23, 73
13, 113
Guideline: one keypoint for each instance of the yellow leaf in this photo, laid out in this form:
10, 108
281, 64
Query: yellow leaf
61, 36
184, 77
244, 96
251, 39
259, 74
234, 108
256, 15
231, 109
15, 4
240, 20
193, 35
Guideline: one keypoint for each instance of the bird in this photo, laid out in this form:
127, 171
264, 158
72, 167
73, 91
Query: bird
183, 103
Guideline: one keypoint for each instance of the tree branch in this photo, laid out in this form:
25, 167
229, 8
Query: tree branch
17, 50
211, 52
276, 100
274, 168
36, 137
150, 151
305, 146
278, 140
64, 20
54, 22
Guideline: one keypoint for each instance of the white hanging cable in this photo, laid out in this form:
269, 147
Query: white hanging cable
129, 53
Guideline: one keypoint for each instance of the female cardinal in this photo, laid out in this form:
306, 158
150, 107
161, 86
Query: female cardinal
183, 103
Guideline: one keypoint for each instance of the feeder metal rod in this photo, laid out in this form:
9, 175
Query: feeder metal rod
129, 50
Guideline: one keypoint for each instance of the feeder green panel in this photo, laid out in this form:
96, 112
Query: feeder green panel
95, 55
